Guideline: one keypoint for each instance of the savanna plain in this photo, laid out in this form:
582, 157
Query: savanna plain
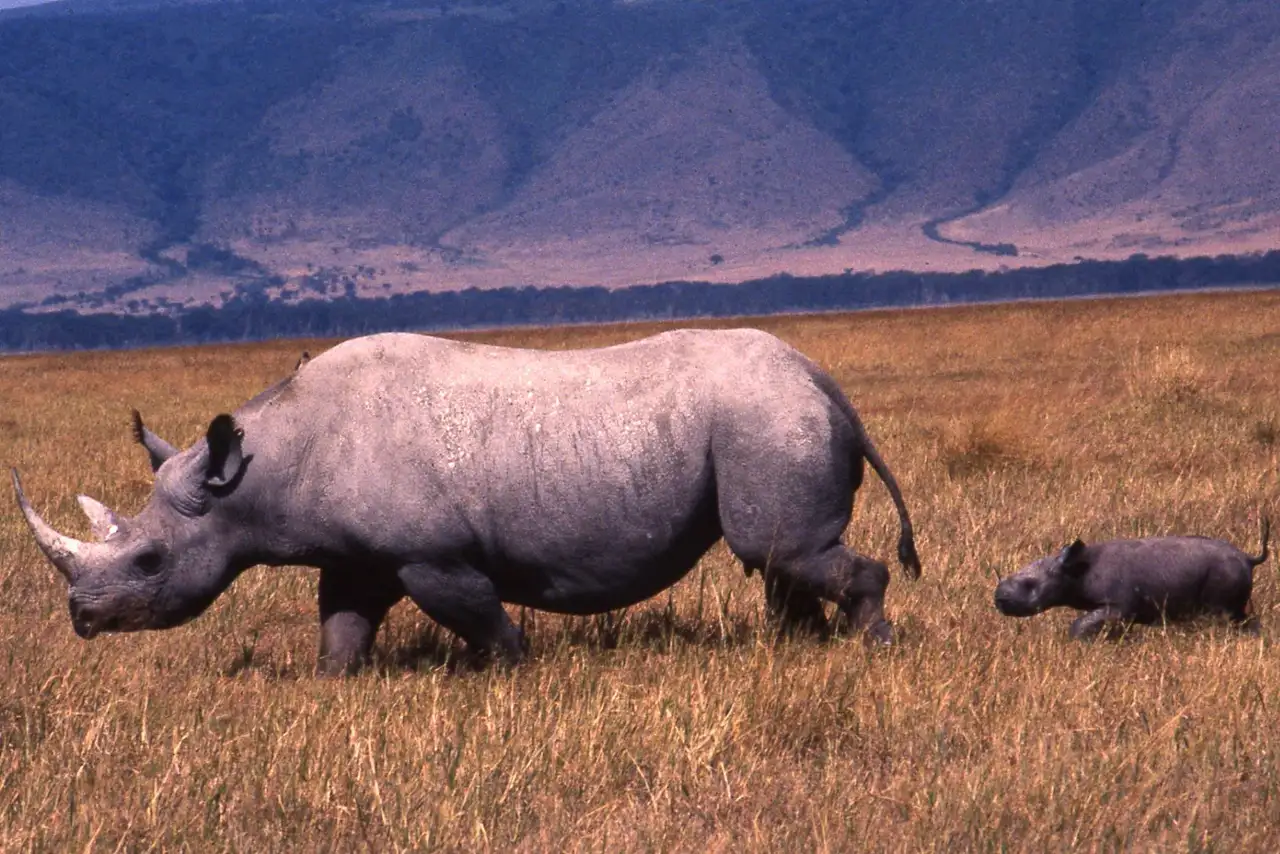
685, 724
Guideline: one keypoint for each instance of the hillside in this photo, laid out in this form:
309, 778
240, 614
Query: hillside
174, 151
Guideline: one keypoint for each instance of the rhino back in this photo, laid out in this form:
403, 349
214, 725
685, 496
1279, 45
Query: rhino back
421, 447
1178, 573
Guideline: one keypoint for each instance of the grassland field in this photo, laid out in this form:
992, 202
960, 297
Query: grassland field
684, 724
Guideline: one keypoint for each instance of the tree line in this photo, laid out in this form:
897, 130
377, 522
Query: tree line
250, 314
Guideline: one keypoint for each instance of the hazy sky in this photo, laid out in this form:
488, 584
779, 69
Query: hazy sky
10, 4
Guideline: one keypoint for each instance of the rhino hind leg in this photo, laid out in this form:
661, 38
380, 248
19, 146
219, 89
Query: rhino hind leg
465, 602
854, 583
784, 505
1244, 619
352, 607
796, 611
1233, 596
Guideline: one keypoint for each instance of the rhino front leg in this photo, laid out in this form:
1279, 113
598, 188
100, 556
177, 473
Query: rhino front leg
465, 602
352, 607
1090, 625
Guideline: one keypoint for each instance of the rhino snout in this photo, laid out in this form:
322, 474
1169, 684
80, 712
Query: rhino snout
1013, 600
83, 622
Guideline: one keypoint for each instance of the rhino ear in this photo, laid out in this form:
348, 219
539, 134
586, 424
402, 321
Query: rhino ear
226, 453
1073, 563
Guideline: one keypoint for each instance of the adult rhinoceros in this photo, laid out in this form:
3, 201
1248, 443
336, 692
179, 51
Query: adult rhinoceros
464, 476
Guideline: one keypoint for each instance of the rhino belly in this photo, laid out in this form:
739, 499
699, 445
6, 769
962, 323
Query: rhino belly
589, 571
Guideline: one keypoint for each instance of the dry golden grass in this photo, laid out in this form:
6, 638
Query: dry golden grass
682, 725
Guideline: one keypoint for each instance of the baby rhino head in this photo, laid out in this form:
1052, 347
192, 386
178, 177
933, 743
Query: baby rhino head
1049, 582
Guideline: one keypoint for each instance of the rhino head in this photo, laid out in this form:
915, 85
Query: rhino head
164, 566
1049, 582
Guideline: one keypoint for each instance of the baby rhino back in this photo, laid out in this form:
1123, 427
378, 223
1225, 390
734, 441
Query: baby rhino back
1170, 578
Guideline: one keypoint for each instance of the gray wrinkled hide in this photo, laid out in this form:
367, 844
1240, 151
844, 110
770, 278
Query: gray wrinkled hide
1144, 581
464, 476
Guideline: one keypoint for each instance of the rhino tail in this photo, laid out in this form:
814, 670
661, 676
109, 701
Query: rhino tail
907, 554
1266, 539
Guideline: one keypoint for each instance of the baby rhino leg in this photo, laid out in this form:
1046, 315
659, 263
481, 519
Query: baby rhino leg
1106, 620
1243, 618
1232, 593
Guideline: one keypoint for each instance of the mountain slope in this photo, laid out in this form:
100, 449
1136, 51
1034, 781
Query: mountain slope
175, 151
1177, 151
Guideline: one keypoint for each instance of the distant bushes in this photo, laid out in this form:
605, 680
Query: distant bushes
250, 314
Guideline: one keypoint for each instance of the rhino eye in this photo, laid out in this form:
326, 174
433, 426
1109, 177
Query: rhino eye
149, 563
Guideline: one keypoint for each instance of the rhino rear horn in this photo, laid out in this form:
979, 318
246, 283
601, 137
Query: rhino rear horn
157, 449
102, 521
62, 551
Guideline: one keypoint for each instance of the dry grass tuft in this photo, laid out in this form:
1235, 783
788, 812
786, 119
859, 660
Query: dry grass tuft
1167, 375
988, 442
685, 724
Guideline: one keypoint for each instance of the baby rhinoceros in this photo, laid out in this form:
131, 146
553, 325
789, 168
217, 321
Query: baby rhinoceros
1121, 582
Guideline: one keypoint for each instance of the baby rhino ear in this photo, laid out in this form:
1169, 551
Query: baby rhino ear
1072, 561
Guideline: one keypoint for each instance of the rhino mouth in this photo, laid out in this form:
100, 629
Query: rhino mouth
88, 621
171, 621
89, 627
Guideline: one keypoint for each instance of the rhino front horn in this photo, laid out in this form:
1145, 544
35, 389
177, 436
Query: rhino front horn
63, 552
